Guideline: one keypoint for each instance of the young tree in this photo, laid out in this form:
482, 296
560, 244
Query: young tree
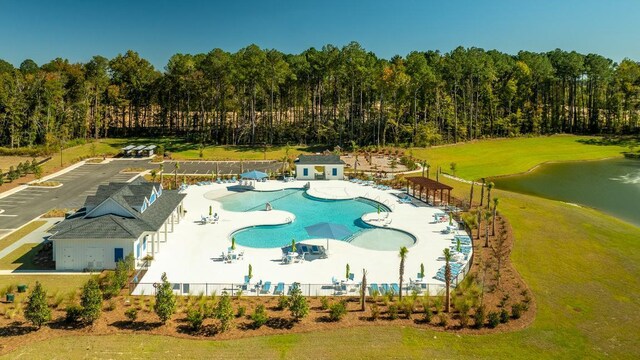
224, 312
490, 186
363, 289
298, 304
1, 178
154, 174
165, 300
447, 278
161, 173
453, 166
487, 218
403, 256
496, 201
37, 172
91, 301
175, 174
37, 311
482, 192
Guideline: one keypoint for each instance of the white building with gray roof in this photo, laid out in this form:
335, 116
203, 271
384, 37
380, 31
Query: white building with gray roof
120, 219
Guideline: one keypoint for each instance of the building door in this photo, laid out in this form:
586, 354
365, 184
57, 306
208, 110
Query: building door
67, 259
95, 258
118, 254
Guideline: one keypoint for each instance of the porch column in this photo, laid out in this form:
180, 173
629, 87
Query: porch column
172, 221
158, 237
165, 231
153, 244
449, 197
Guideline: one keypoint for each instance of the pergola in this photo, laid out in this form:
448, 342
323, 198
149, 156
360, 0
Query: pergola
429, 185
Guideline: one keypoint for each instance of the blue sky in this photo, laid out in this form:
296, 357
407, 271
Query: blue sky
77, 30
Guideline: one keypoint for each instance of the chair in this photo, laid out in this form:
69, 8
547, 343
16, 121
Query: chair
245, 286
373, 288
385, 288
395, 288
351, 276
266, 287
315, 250
419, 276
279, 289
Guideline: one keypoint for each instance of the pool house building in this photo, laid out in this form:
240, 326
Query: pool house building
319, 167
120, 219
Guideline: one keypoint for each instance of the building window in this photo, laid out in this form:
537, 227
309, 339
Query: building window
138, 250
118, 254
334, 171
144, 207
152, 198
144, 243
305, 172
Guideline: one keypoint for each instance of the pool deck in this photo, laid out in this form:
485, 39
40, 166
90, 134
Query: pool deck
193, 250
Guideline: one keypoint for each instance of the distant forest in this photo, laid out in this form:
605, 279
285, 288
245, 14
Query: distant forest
330, 96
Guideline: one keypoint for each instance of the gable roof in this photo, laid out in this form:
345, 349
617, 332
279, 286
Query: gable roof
319, 160
129, 196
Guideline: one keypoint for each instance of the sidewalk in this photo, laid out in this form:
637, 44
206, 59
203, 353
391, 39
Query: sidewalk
35, 237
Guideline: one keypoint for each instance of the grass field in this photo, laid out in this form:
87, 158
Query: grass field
487, 158
52, 283
21, 258
582, 268
20, 233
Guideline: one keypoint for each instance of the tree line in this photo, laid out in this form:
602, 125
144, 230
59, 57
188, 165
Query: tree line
331, 96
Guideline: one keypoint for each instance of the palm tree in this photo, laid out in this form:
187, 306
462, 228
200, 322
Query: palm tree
471, 195
489, 187
403, 257
487, 217
356, 149
175, 174
363, 290
447, 278
495, 211
428, 167
482, 192
479, 221
161, 173
423, 164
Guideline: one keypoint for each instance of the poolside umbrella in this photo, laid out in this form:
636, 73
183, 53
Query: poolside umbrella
329, 231
254, 175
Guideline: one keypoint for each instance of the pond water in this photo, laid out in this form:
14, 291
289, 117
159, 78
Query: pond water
612, 186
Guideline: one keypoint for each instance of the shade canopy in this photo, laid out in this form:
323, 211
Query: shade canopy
328, 230
253, 175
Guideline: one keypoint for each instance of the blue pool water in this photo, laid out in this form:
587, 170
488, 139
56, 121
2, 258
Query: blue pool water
309, 211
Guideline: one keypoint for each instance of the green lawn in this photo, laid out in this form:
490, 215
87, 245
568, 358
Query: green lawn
21, 258
52, 283
486, 158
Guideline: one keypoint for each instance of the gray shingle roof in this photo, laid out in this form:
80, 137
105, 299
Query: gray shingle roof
319, 160
111, 226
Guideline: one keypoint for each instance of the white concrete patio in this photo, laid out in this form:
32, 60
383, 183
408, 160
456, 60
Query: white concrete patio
192, 252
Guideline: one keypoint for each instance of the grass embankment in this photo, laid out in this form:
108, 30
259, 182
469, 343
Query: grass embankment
22, 258
52, 283
497, 157
20, 233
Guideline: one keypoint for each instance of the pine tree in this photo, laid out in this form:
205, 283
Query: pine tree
224, 312
298, 305
165, 300
91, 301
37, 311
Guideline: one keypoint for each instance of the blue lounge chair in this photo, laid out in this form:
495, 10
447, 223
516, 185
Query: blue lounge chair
385, 288
279, 289
246, 282
395, 288
266, 287
351, 276
373, 288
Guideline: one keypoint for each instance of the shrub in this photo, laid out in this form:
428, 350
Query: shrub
242, 310
337, 311
283, 302
463, 308
392, 311
407, 307
494, 319
111, 305
427, 315
479, 317
224, 312
91, 301
375, 311
131, 314
73, 313
504, 316
37, 311
444, 319
195, 318
165, 304
259, 316
324, 303
516, 311
298, 305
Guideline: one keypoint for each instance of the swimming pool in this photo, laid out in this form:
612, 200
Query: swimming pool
309, 211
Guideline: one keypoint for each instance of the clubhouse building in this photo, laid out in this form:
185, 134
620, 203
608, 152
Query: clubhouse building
120, 219
319, 167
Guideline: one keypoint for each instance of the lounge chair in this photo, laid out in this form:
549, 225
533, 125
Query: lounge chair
279, 289
315, 250
385, 288
266, 287
373, 288
351, 276
395, 288
245, 286
419, 276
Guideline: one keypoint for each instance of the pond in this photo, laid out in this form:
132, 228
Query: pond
612, 186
